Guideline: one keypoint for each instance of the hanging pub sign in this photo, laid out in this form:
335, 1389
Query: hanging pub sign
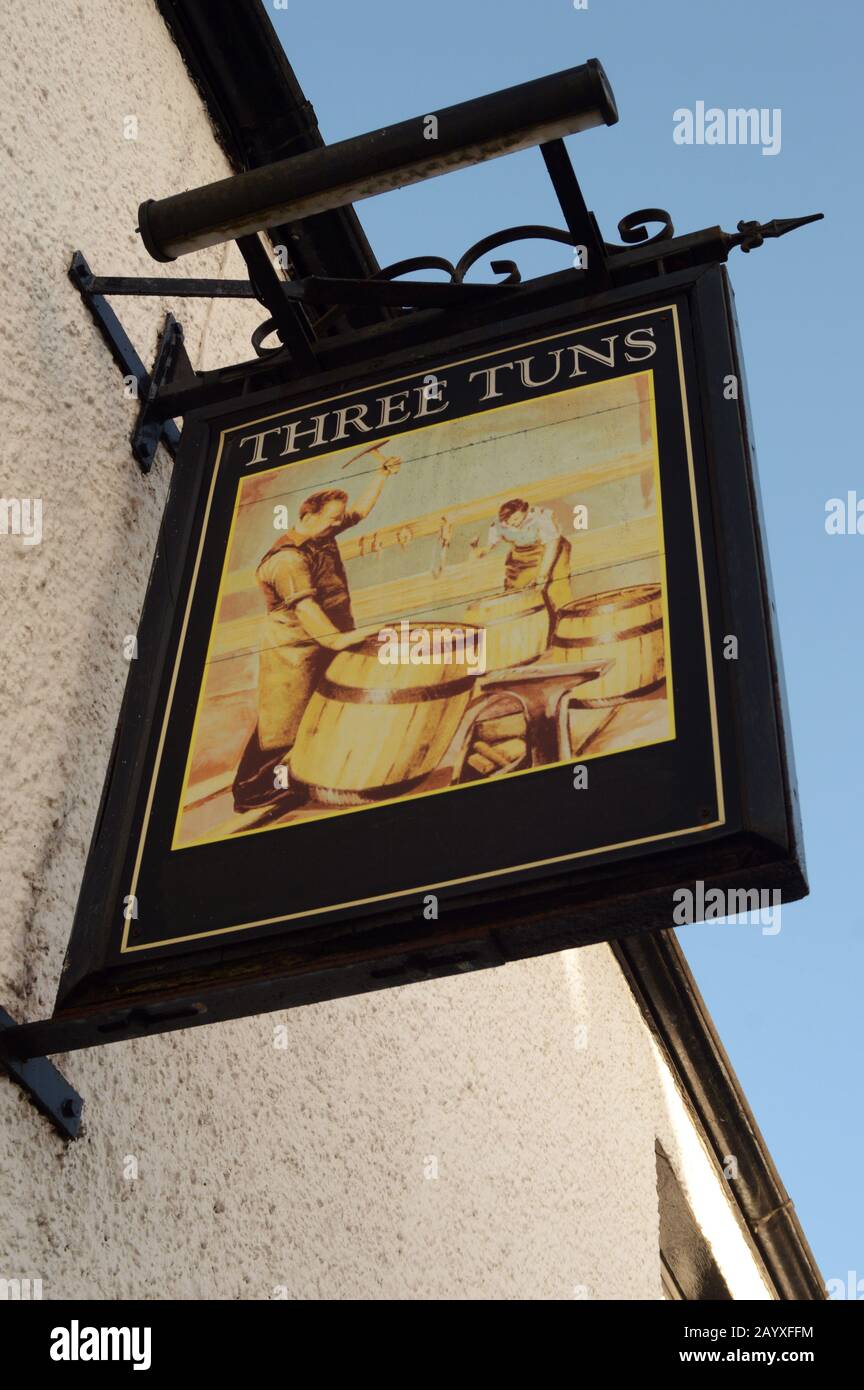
462, 659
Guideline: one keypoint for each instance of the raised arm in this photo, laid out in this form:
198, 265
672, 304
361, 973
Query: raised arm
367, 499
492, 539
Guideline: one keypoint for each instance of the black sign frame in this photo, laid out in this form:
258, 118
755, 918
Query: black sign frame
359, 946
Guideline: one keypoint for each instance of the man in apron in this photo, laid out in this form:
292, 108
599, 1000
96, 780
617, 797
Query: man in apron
538, 554
303, 580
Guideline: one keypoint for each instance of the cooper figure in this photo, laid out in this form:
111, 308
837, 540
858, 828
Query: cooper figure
303, 580
538, 554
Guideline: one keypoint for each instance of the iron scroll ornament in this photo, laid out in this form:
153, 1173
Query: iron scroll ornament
632, 230
446, 294
456, 273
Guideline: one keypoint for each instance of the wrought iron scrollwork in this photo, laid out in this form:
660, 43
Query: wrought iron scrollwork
456, 273
633, 232
456, 291
489, 243
481, 248
413, 264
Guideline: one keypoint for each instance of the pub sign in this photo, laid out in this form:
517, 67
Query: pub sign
461, 657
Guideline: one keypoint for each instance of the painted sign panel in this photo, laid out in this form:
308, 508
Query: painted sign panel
442, 641
487, 570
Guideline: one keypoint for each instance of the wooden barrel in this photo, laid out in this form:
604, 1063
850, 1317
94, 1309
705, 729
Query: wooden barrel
624, 626
373, 730
516, 627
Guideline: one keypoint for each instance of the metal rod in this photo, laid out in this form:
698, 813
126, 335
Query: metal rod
167, 285
580, 222
470, 132
421, 294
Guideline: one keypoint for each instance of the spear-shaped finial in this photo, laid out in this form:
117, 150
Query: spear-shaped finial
752, 234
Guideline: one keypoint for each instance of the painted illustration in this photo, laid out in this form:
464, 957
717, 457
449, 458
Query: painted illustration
477, 599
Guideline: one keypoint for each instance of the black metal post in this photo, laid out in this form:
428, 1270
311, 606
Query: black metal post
287, 316
580, 222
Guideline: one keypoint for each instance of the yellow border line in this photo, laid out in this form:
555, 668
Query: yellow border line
125, 948
700, 564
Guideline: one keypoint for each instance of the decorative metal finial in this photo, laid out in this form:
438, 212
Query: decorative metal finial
752, 234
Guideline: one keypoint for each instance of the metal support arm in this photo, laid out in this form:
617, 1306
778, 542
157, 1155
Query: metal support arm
148, 431
49, 1091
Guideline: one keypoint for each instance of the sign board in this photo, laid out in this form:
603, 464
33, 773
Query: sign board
464, 658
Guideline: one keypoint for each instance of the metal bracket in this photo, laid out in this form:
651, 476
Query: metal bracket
288, 316
148, 432
173, 385
581, 223
171, 364
49, 1091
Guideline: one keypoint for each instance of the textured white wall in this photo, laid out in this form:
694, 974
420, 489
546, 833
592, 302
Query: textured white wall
535, 1089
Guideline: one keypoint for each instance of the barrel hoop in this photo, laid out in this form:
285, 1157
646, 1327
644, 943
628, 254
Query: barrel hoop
602, 639
375, 695
648, 593
611, 700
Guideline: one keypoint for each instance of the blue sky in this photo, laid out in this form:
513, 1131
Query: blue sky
787, 1006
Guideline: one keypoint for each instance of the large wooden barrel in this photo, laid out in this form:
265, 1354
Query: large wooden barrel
516, 627
624, 626
373, 730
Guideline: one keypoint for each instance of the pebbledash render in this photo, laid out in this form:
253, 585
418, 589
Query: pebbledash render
568, 1144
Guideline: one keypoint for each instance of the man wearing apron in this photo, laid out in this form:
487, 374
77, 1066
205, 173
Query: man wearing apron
305, 587
538, 554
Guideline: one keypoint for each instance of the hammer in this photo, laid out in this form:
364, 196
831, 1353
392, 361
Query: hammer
370, 449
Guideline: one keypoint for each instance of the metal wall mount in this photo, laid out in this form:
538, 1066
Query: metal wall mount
303, 313
48, 1089
148, 432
